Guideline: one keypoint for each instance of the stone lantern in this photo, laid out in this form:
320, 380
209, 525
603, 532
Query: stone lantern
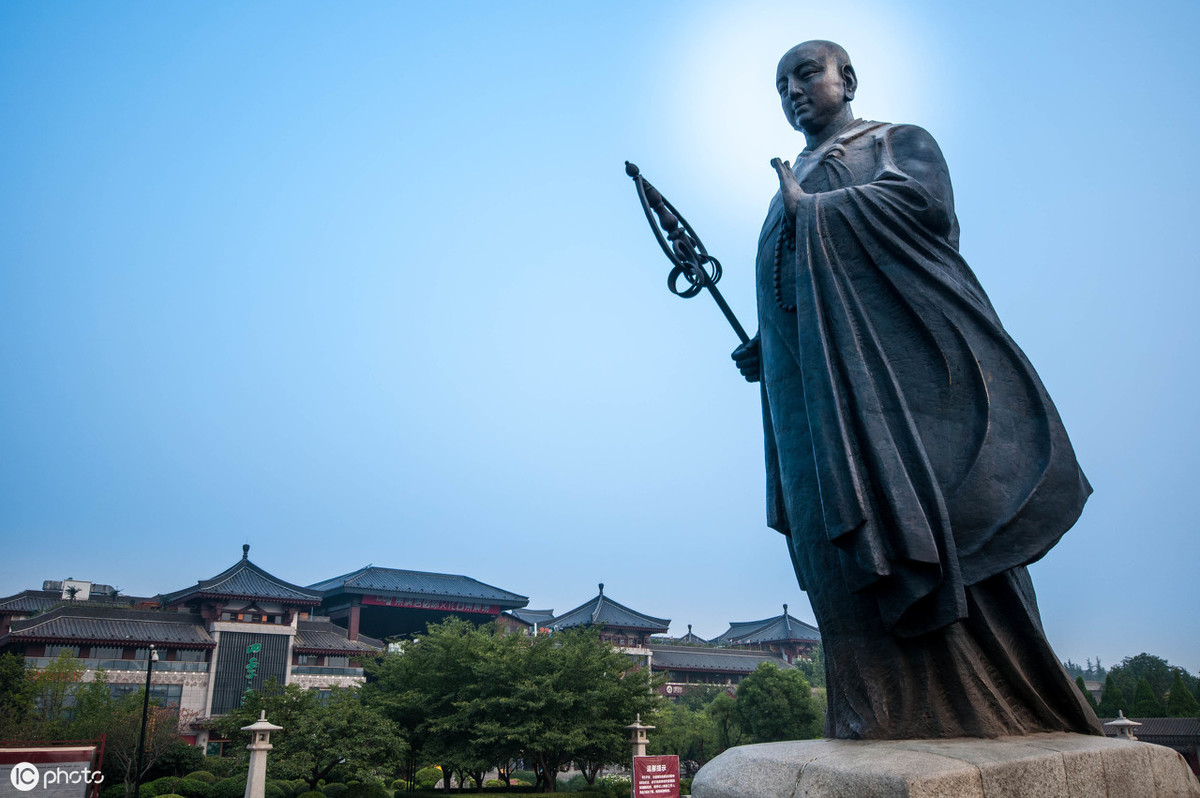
1123, 725
638, 736
260, 742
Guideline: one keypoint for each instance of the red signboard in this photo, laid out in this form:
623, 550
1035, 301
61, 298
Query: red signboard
656, 777
431, 604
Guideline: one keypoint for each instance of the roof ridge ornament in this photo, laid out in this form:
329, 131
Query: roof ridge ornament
245, 551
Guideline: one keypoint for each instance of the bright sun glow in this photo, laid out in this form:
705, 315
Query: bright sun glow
727, 113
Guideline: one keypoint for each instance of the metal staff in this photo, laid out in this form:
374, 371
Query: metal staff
690, 259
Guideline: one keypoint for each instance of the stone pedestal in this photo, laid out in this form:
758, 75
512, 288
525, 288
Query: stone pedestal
1036, 766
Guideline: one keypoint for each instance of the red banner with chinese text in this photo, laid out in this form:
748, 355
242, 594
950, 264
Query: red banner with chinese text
431, 604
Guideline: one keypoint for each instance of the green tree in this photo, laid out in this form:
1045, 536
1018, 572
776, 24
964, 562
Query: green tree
1145, 705
1087, 695
317, 736
775, 704
685, 730
427, 690
119, 720
473, 700
813, 667
53, 689
1155, 670
572, 696
1112, 699
723, 711
16, 697
1181, 703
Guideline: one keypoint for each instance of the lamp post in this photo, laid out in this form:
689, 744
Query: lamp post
141, 749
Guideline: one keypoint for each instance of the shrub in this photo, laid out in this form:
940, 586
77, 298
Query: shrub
232, 787
163, 786
202, 775
427, 778
365, 789
113, 791
334, 790
685, 786
399, 785
494, 783
616, 786
311, 794
171, 785
194, 788
277, 789
223, 766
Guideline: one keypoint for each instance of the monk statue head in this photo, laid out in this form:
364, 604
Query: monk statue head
816, 83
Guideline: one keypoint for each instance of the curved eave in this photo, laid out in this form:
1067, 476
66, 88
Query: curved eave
104, 641
352, 652
298, 602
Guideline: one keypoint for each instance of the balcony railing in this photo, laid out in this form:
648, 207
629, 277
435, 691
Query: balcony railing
125, 665
315, 670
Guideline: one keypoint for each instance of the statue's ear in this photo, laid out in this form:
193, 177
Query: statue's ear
850, 80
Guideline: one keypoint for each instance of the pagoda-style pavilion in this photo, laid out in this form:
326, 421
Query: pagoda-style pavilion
784, 635
620, 625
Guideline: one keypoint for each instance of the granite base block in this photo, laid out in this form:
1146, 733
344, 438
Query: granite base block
1036, 766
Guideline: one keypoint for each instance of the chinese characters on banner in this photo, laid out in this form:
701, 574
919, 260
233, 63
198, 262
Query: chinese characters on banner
656, 777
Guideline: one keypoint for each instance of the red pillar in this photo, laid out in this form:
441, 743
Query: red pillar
352, 632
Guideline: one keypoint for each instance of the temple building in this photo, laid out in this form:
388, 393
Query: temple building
625, 628
525, 621
782, 635
223, 636
691, 661
691, 666
389, 602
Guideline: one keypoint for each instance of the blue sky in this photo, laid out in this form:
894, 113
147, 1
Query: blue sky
365, 283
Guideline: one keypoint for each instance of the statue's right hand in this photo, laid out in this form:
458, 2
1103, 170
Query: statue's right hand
746, 358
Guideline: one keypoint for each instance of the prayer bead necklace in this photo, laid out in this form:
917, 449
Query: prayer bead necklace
787, 238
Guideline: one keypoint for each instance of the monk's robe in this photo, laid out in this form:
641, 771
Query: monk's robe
915, 461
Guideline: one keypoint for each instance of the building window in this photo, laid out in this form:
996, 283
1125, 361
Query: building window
308, 659
337, 662
187, 655
106, 652
250, 617
167, 695
54, 651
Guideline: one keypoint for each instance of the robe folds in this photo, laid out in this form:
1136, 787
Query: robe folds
914, 459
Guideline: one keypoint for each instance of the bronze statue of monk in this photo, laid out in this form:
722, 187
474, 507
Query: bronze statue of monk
915, 462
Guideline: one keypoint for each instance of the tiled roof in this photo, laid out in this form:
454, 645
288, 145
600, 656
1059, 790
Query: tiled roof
1160, 727
603, 611
246, 580
325, 636
768, 630
29, 601
724, 660
375, 580
111, 625
532, 616
34, 601
689, 639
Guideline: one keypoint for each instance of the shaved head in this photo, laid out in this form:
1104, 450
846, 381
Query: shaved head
822, 49
816, 83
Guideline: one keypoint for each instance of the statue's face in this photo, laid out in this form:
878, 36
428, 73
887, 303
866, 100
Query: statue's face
811, 87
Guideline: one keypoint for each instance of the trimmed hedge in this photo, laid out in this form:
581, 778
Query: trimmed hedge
232, 787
